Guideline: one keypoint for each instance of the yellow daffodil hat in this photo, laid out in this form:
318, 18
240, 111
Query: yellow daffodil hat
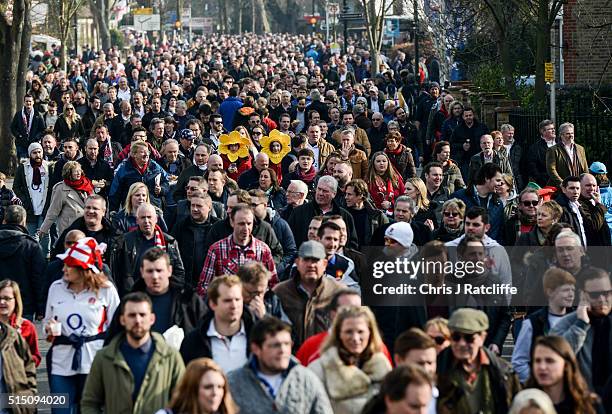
276, 136
234, 138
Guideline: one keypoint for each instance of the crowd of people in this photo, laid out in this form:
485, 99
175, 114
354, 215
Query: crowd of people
191, 225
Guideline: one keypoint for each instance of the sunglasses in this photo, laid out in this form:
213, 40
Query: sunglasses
468, 338
531, 203
597, 293
439, 340
450, 214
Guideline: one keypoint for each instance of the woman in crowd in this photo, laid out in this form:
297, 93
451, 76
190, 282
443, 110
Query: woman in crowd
453, 211
40, 95
276, 146
437, 329
399, 155
384, 183
234, 151
507, 195
416, 189
68, 198
352, 364
80, 308
124, 220
11, 308
548, 214
202, 390
555, 371
268, 182
69, 125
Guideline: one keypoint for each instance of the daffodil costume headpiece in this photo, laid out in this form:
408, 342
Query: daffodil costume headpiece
276, 136
234, 138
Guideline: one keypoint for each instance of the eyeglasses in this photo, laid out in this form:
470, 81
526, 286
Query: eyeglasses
439, 340
218, 122
294, 192
468, 338
69, 109
597, 293
531, 203
450, 214
6, 298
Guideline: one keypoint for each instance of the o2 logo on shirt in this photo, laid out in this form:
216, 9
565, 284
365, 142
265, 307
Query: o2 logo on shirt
75, 322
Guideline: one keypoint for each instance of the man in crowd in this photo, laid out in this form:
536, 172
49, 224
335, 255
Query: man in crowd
191, 232
436, 193
71, 153
249, 179
95, 168
127, 258
366, 217
228, 254
514, 153
22, 261
223, 333
339, 267
297, 191
465, 138
137, 371
323, 204
138, 168
524, 219
572, 211
467, 363
27, 127
565, 158
588, 328
319, 146
258, 297
361, 138
297, 388
483, 193
50, 150
487, 155
452, 179
94, 224
535, 163
307, 294
31, 186
593, 212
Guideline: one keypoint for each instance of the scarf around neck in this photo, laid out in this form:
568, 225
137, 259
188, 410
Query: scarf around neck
81, 185
36, 175
307, 176
142, 169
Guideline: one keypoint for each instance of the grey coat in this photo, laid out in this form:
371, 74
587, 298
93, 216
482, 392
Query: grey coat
580, 337
301, 392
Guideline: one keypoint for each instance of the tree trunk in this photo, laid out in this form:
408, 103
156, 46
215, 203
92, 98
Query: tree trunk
261, 9
508, 64
14, 40
253, 17
101, 16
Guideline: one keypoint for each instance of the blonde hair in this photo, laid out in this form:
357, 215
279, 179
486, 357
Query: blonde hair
8, 283
133, 188
215, 285
439, 323
349, 312
455, 203
422, 202
69, 168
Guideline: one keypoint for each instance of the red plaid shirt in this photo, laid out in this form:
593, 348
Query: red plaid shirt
225, 257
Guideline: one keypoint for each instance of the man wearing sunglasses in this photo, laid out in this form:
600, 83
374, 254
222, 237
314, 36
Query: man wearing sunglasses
524, 219
588, 328
471, 378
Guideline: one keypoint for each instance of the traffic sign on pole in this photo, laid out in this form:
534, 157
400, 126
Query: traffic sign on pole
549, 73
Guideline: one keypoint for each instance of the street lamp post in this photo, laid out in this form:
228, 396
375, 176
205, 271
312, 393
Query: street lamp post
345, 25
416, 40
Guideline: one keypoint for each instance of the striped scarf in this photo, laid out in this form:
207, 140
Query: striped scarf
160, 240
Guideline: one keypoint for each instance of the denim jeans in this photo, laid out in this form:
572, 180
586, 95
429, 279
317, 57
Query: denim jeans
44, 242
22, 152
73, 386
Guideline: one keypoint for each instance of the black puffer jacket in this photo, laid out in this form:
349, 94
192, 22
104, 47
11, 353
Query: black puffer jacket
22, 260
108, 235
124, 260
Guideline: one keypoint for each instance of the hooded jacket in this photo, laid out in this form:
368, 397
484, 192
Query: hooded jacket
18, 367
23, 261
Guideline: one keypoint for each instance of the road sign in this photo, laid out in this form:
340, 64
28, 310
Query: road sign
350, 16
333, 8
146, 23
202, 23
549, 73
144, 11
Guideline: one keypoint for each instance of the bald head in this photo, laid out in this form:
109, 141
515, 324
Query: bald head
588, 186
262, 161
146, 218
72, 237
215, 162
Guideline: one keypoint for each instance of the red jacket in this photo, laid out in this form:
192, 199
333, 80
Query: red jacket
28, 332
242, 164
310, 349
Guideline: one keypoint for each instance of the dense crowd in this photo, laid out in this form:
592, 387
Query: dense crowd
193, 226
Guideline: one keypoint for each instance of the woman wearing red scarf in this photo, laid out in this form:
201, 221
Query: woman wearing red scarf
67, 199
399, 155
385, 184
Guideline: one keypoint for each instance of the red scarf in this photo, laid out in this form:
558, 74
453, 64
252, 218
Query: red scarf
160, 240
396, 151
307, 176
36, 175
142, 169
81, 185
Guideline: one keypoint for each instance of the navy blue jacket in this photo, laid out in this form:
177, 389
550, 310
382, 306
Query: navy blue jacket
127, 175
494, 207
